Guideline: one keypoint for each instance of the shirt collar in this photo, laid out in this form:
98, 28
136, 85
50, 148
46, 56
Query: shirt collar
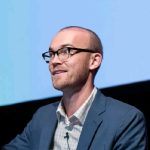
80, 114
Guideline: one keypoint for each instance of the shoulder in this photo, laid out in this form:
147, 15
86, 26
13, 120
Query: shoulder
119, 115
122, 123
48, 107
117, 109
46, 111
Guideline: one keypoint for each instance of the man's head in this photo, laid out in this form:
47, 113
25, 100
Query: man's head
76, 65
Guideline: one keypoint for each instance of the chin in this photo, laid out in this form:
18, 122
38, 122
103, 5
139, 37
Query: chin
60, 84
59, 87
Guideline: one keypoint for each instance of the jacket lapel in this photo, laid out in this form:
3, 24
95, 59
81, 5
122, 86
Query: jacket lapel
92, 122
48, 130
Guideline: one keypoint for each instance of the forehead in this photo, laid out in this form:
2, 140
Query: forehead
74, 37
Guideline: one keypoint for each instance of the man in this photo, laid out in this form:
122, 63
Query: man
84, 118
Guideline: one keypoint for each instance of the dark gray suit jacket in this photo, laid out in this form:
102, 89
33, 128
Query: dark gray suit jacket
109, 125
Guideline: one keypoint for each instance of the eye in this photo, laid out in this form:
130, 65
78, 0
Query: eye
72, 51
51, 54
63, 51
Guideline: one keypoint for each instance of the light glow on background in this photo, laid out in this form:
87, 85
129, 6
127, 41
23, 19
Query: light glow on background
27, 27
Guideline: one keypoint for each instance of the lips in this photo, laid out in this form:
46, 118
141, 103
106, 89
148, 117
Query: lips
57, 72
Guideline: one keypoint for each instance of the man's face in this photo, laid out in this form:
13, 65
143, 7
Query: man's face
73, 72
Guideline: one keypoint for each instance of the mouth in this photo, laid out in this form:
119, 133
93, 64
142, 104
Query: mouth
58, 72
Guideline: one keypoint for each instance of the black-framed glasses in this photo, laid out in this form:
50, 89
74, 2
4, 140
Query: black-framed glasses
64, 53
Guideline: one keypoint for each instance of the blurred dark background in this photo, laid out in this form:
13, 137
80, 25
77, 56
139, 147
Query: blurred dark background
13, 118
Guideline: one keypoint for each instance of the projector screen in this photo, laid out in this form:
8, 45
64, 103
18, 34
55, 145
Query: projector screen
27, 28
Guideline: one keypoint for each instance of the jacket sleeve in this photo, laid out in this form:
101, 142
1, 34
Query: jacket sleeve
24, 140
21, 141
42, 123
131, 134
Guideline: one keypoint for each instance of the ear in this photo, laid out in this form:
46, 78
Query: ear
95, 61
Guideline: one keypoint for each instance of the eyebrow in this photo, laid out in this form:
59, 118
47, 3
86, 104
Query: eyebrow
62, 46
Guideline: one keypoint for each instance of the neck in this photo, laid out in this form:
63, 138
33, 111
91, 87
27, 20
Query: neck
74, 98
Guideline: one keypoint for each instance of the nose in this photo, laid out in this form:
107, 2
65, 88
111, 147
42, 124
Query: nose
55, 60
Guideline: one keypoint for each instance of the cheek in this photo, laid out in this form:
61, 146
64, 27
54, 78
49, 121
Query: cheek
79, 71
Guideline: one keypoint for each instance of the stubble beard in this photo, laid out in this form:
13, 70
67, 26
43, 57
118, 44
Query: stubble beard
72, 85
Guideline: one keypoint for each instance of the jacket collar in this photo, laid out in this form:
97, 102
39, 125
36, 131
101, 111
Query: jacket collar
92, 122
